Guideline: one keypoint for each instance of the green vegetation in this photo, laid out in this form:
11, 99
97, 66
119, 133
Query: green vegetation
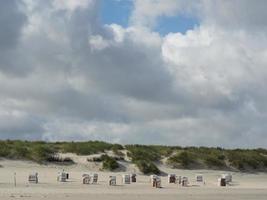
218, 158
37, 151
147, 167
247, 159
103, 157
58, 160
202, 157
84, 148
43, 152
150, 152
109, 163
182, 159
140, 152
144, 156
116, 148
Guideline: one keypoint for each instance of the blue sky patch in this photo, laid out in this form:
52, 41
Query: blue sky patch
175, 24
116, 11
119, 11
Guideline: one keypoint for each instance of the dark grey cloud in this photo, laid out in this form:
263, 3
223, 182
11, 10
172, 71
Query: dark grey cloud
11, 20
20, 125
129, 70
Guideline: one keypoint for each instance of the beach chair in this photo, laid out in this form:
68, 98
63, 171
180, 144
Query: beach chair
157, 182
199, 179
179, 180
152, 177
185, 181
62, 177
84, 175
222, 182
86, 179
126, 179
33, 178
112, 180
133, 178
227, 177
94, 178
171, 178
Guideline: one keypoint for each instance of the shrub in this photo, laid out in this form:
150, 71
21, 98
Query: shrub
147, 167
42, 153
95, 159
221, 157
214, 162
139, 152
184, 159
85, 148
109, 163
116, 148
247, 159
19, 150
4, 150
57, 159
103, 158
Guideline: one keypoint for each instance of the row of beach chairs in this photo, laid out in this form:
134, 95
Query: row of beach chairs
155, 180
224, 180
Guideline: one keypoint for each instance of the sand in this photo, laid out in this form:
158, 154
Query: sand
244, 186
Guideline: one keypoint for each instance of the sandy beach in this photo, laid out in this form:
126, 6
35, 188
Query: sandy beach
244, 185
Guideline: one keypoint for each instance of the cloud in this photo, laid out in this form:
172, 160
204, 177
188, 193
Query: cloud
234, 14
71, 5
227, 14
147, 12
66, 76
12, 21
18, 124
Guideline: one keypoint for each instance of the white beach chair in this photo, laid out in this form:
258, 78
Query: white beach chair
228, 178
62, 177
156, 181
152, 177
126, 178
112, 180
33, 178
94, 178
185, 181
199, 179
86, 179
179, 180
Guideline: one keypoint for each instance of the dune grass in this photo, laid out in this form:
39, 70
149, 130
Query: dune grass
109, 163
144, 156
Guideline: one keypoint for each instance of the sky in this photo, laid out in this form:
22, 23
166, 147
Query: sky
172, 72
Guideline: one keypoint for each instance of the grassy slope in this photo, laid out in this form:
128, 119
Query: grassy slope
143, 156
